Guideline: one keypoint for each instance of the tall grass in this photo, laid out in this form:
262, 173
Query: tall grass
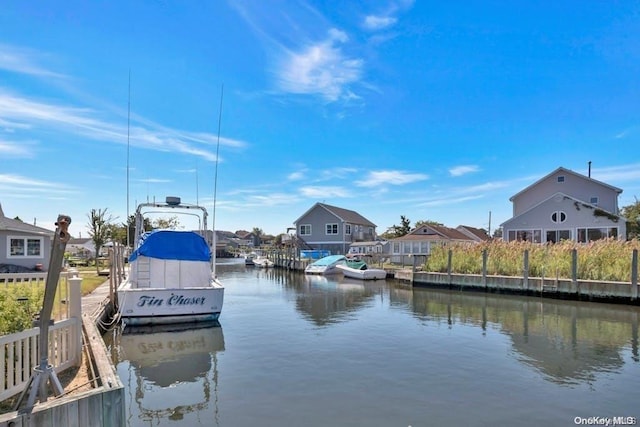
606, 260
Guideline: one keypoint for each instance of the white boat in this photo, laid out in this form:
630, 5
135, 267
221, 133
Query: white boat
326, 265
262, 261
361, 271
248, 259
171, 277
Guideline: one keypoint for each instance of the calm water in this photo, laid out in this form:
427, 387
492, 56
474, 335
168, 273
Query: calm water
294, 350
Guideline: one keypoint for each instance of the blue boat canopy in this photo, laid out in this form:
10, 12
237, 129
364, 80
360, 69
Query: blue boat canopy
175, 245
329, 260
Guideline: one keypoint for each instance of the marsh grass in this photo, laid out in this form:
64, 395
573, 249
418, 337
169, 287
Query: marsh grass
606, 260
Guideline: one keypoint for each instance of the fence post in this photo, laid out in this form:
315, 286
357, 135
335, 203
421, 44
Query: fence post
75, 311
449, 264
634, 274
525, 270
574, 270
484, 268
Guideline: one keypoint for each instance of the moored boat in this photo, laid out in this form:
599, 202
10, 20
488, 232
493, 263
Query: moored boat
326, 265
360, 270
171, 277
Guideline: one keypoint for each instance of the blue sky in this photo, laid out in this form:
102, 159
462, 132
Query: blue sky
432, 110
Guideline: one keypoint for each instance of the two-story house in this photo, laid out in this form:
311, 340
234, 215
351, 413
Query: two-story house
565, 205
332, 228
24, 245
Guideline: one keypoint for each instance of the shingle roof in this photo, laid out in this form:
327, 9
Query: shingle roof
347, 215
9, 224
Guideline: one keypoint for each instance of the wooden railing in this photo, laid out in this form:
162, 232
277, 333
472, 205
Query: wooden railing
19, 354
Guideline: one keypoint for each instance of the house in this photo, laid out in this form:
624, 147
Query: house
565, 205
332, 228
477, 234
82, 247
24, 245
419, 242
370, 248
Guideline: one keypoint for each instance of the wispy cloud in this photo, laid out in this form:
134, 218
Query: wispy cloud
16, 149
446, 201
622, 173
392, 177
85, 122
322, 69
375, 22
23, 187
463, 170
324, 192
24, 61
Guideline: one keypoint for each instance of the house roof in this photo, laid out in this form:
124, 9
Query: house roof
568, 171
474, 232
9, 224
566, 196
79, 241
346, 215
434, 232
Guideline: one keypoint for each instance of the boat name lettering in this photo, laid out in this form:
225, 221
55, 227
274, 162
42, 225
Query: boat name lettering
151, 301
182, 300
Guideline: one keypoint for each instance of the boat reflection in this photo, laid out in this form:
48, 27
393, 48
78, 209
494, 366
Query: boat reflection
171, 373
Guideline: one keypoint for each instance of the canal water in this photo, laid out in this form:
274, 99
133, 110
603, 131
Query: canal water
294, 350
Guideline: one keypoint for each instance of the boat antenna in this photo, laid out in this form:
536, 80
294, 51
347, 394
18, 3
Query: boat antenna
128, 146
197, 186
215, 182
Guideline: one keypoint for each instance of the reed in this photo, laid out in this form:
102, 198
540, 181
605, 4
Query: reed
606, 260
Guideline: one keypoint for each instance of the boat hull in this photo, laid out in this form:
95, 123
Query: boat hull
368, 274
163, 306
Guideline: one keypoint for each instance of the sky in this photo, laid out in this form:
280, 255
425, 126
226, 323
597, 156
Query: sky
430, 110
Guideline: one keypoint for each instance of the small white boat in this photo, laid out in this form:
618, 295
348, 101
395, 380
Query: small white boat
248, 259
262, 261
326, 265
361, 271
171, 277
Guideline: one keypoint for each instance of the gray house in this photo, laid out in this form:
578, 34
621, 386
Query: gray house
565, 205
334, 229
420, 241
24, 245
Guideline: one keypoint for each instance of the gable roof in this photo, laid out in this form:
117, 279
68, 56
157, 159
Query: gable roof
474, 233
568, 171
346, 215
9, 224
434, 232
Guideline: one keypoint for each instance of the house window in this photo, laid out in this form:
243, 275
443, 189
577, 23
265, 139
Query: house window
25, 247
305, 230
555, 236
347, 229
534, 236
561, 178
594, 201
590, 234
332, 228
396, 247
558, 217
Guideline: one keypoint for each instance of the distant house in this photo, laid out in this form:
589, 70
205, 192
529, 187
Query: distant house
477, 234
332, 228
81, 247
565, 205
419, 242
371, 248
24, 245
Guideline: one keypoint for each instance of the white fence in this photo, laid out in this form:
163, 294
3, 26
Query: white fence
19, 352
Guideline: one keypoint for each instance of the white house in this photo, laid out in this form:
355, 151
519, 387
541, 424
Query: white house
565, 205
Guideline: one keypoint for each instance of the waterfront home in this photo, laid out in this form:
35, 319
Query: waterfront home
477, 234
332, 228
24, 245
416, 245
369, 248
565, 205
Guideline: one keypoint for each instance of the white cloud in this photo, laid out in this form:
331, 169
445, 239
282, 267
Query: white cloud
324, 192
377, 178
20, 186
23, 61
463, 170
85, 122
321, 69
16, 149
622, 173
375, 23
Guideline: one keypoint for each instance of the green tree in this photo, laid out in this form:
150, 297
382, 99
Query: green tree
427, 222
99, 229
398, 230
632, 214
171, 223
258, 233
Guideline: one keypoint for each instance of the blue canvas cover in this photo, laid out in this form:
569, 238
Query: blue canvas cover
171, 244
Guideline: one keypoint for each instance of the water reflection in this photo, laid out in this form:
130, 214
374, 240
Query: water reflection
171, 374
568, 342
